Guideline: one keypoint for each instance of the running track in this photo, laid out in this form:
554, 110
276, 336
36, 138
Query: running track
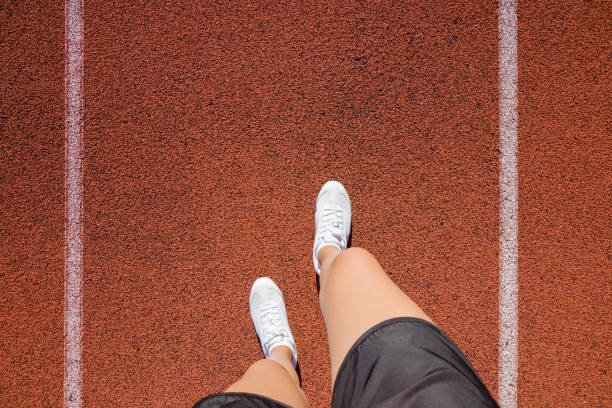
208, 129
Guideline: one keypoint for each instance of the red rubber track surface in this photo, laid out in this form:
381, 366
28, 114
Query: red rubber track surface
209, 130
31, 203
565, 181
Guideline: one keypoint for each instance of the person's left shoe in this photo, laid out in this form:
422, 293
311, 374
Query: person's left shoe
270, 317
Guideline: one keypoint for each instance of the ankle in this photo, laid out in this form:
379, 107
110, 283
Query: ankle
281, 353
327, 252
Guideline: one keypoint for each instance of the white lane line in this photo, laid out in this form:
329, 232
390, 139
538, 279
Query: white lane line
508, 181
73, 184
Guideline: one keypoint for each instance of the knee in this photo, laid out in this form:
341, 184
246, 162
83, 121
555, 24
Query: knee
353, 256
269, 378
265, 368
350, 264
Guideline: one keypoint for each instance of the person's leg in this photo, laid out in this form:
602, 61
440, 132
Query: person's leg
273, 377
356, 294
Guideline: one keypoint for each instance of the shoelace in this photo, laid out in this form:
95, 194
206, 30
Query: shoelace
272, 325
331, 225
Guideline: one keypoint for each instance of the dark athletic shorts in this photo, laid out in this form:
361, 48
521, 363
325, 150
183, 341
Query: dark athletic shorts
401, 362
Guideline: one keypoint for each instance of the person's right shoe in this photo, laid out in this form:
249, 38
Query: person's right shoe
332, 219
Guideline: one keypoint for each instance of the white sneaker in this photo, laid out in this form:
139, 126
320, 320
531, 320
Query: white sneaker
332, 219
270, 317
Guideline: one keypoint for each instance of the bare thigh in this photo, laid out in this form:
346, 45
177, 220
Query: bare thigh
356, 294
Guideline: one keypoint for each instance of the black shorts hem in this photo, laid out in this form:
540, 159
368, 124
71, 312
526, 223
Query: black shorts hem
223, 398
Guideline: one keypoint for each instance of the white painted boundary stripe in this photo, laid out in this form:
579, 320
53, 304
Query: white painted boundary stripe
73, 184
508, 181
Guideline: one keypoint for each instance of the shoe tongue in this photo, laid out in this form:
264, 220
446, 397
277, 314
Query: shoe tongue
267, 304
332, 236
335, 207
